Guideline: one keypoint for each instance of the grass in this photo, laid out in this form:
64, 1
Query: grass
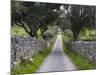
16, 30
87, 34
80, 62
32, 67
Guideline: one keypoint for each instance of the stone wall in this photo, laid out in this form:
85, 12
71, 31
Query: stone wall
25, 47
86, 49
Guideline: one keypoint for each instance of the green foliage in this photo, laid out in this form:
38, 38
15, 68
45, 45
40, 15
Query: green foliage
80, 62
87, 34
68, 34
81, 16
16, 30
39, 34
63, 23
33, 16
50, 33
33, 66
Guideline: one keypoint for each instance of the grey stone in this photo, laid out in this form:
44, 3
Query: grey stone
25, 47
85, 48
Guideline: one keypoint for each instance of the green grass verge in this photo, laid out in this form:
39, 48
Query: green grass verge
80, 62
35, 64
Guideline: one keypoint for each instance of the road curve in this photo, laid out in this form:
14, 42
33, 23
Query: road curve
57, 60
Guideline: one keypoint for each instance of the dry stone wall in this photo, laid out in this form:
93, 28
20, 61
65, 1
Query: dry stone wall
25, 47
86, 49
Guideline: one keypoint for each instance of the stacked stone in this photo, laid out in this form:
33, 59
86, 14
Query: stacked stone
86, 49
25, 47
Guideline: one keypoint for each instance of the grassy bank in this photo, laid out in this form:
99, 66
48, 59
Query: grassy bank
87, 34
33, 66
16, 30
81, 62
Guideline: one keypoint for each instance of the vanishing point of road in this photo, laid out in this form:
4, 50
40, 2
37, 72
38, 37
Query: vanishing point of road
57, 60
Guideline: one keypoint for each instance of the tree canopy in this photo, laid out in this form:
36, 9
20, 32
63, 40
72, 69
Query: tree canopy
34, 16
81, 16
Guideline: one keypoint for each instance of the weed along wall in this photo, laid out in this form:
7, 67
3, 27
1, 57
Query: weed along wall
86, 49
25, 47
